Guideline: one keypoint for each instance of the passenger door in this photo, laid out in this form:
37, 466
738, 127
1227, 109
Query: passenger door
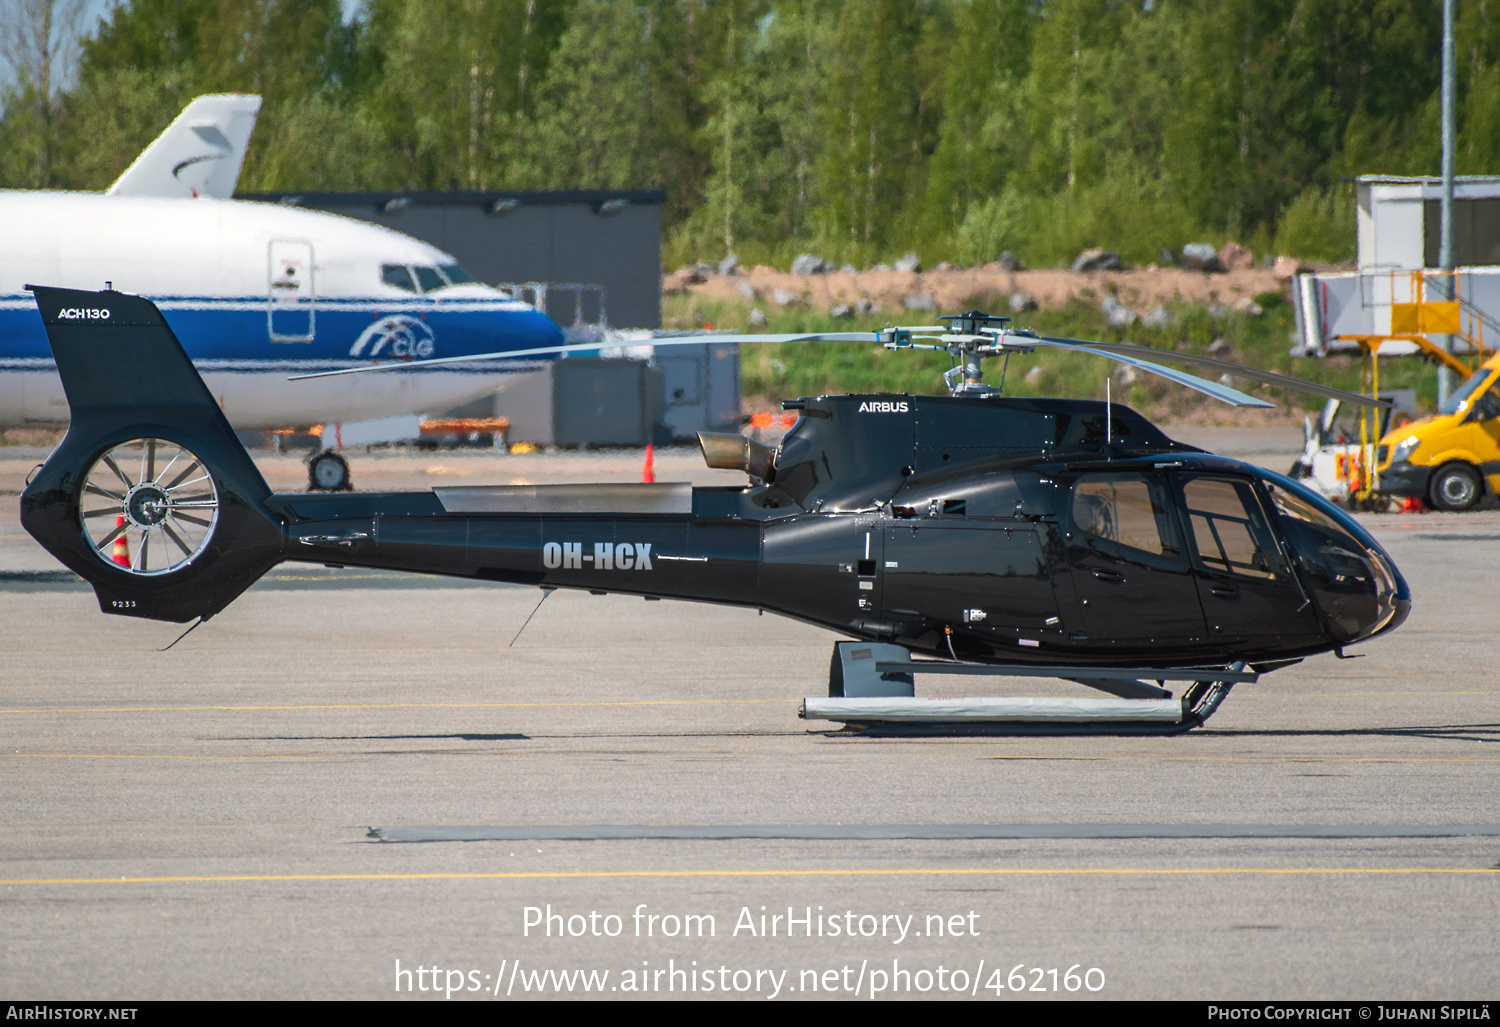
1127, 560
290, 316
1247, 590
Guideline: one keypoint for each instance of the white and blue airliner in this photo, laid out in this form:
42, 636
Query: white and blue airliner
255, 291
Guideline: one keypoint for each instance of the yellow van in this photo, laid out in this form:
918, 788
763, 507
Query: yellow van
1450, 460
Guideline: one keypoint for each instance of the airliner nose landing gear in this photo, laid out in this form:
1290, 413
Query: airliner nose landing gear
148, 506
328, 472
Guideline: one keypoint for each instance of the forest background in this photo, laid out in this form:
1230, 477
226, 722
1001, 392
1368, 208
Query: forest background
859, 129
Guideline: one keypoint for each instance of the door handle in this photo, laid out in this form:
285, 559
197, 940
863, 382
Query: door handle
348, 538
1224, 591
1109, 576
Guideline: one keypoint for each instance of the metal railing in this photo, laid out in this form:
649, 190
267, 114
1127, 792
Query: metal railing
536, 294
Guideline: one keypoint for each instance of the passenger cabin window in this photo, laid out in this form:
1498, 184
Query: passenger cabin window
429, 279
1127, 509
397, 275
1229, 531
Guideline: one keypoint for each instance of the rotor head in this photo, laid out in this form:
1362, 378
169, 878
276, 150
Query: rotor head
967, 338
973, 322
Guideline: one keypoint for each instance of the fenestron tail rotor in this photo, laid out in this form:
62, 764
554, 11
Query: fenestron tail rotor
149, 506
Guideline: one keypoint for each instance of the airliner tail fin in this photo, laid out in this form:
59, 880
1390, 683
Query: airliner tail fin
198, 155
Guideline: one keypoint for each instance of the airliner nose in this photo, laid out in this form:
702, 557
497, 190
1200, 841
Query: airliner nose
528, 329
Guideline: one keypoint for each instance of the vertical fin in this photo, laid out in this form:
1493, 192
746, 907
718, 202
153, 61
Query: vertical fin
127, 378
199, 154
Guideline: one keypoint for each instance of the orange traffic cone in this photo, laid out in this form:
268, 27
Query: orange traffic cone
648, 471
121, 554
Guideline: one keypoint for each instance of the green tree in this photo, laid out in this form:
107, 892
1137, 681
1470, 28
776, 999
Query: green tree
609, 116
879, 129
39, 42
981, 137
455, 82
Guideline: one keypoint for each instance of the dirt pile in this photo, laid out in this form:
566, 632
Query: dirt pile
913, 293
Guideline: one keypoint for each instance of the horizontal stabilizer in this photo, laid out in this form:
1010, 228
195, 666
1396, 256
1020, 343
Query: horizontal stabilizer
199, 154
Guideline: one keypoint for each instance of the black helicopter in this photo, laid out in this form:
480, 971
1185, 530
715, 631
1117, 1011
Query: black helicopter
1034, 537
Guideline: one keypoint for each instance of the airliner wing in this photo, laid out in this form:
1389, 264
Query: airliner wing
198, 155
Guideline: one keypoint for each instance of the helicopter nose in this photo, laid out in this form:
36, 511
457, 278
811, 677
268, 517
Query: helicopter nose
1361, 592
1392, 597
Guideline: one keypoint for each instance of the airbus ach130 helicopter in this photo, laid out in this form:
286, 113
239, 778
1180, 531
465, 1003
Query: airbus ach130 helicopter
1017, 537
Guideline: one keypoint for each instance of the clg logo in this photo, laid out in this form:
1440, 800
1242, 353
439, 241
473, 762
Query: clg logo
882, 407
83, 314
397, 336
607, 556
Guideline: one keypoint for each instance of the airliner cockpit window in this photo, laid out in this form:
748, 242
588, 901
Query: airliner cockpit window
397, 275
455, 274
429, 279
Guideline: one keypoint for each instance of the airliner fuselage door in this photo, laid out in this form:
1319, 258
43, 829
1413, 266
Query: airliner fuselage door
290, 316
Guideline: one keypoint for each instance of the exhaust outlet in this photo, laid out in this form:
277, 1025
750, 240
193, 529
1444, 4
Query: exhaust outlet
737, 453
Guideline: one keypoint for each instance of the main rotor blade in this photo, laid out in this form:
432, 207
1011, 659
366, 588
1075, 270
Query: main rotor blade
581, 347
1223, 393
1237, 370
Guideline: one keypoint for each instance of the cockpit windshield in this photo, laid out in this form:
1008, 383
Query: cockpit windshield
1460, 399
1355, 582
1300, 507
420, 278
429, 279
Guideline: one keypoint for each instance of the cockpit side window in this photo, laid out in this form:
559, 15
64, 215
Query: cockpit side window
1229, 530
1128, 509
429, 279
397, 275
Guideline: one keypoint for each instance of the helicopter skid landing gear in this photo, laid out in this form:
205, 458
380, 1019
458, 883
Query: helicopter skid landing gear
876, 696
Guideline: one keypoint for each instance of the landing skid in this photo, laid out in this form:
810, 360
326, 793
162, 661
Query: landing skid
872, 691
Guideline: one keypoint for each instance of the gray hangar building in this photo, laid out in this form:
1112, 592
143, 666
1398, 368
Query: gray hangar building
583, 256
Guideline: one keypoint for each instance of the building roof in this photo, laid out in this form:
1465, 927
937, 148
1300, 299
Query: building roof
390, 201
1421, 179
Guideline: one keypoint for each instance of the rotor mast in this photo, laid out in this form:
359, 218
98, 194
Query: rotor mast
967, 339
